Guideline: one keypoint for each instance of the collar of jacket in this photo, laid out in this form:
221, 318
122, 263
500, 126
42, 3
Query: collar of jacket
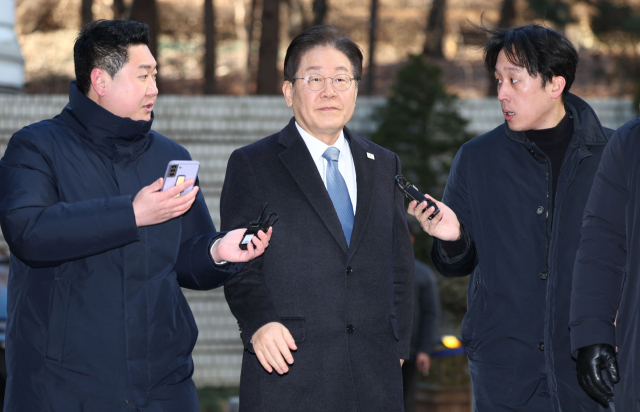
586, 125
115, 136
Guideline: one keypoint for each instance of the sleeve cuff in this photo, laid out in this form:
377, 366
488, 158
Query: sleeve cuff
224, 262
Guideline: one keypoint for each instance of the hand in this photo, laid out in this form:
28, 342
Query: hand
152, 206
591, 360
228, 249
423, 362
445, 225
272, 344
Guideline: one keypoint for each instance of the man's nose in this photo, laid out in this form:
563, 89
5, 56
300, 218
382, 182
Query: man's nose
503, 92
329, 89
152, 88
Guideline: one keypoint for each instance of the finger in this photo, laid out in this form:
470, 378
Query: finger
596, 388
412, 207
263, 361
291, 343
264, 237
276, 355
612, 370
177, 189
589, 388
596, 378
283, 348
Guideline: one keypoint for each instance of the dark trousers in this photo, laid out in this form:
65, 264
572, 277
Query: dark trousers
409, 381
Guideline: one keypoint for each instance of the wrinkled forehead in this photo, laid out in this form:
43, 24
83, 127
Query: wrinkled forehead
325, 59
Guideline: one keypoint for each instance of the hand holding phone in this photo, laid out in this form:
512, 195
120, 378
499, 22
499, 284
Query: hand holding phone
413, 193
255, 227
179, 171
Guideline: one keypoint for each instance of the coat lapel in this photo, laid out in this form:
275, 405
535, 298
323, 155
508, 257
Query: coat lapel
365, 176
298, 161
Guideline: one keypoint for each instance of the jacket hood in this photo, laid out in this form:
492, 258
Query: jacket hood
115, 136
586, 124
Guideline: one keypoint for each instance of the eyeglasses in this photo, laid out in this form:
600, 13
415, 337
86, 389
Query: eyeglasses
316, 82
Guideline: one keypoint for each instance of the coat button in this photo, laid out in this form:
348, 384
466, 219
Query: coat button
541, 346
350, 328
543, 275
349, 270
540, 210
126, 402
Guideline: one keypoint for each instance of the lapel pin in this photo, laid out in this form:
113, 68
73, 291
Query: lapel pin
371, 156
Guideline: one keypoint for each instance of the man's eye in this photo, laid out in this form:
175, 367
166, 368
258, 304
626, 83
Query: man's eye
315, 79
513, 81
499, 81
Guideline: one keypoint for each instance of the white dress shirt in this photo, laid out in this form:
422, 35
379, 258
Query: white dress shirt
345, 161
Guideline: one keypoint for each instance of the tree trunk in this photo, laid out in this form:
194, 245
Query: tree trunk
209, 48
250, 55
319, 12
119, 9
435, 29
373, 23
86, 12
507, 19
146, 11
268, 57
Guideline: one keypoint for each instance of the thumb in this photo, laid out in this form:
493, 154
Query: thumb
612, 370
157, 185
291, 343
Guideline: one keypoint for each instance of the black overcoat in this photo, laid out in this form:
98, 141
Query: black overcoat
97, 320
520, 258
348, 308
606, 277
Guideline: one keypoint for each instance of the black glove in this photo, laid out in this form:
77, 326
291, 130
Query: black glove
591, 360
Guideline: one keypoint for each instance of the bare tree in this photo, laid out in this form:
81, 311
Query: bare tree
119, 9
319, 12
435, 29
267, 82
146, 11
373, 23
507, 19
209, 48
86, 11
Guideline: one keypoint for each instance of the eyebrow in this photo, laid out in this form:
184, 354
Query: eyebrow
511, 68
146, 66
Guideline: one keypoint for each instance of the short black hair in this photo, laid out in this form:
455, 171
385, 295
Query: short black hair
540, 50
318, 36
104, 44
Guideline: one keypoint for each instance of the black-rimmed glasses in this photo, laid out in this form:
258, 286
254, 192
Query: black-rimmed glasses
315, 82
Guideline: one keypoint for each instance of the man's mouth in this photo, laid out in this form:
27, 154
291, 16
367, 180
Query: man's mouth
149, 106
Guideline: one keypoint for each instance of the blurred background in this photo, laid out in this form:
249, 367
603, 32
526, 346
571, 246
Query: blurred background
424, 92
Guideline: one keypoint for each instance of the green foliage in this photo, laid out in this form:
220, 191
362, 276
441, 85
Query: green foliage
211, 398
420, 123
556, 11
615, 22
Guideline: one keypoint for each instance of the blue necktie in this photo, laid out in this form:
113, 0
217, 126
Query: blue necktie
338, 192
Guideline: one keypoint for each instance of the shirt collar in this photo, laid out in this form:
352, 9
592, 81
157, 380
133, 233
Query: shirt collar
316, 146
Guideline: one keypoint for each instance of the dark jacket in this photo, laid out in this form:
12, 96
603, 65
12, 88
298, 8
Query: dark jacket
606, 276
349, 309
426, 310
97, 320
521, 262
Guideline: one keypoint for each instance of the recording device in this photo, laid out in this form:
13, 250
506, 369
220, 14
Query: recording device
413, 193
255, 227
178, 171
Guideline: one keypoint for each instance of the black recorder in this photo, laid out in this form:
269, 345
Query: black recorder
413, 193
255, 227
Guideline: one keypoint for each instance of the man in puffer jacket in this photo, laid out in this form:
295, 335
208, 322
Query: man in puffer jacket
511, 217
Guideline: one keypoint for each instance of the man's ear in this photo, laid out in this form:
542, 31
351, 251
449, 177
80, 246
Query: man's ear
287, 91
99, 79
558, 84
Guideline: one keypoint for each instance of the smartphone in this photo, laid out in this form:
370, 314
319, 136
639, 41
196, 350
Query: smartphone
178, 171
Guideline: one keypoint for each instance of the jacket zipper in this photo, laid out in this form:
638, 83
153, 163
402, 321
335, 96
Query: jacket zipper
546, 217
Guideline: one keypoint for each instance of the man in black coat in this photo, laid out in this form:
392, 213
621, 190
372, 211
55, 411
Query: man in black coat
606, 278
511, 217
97, 320
326, 314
